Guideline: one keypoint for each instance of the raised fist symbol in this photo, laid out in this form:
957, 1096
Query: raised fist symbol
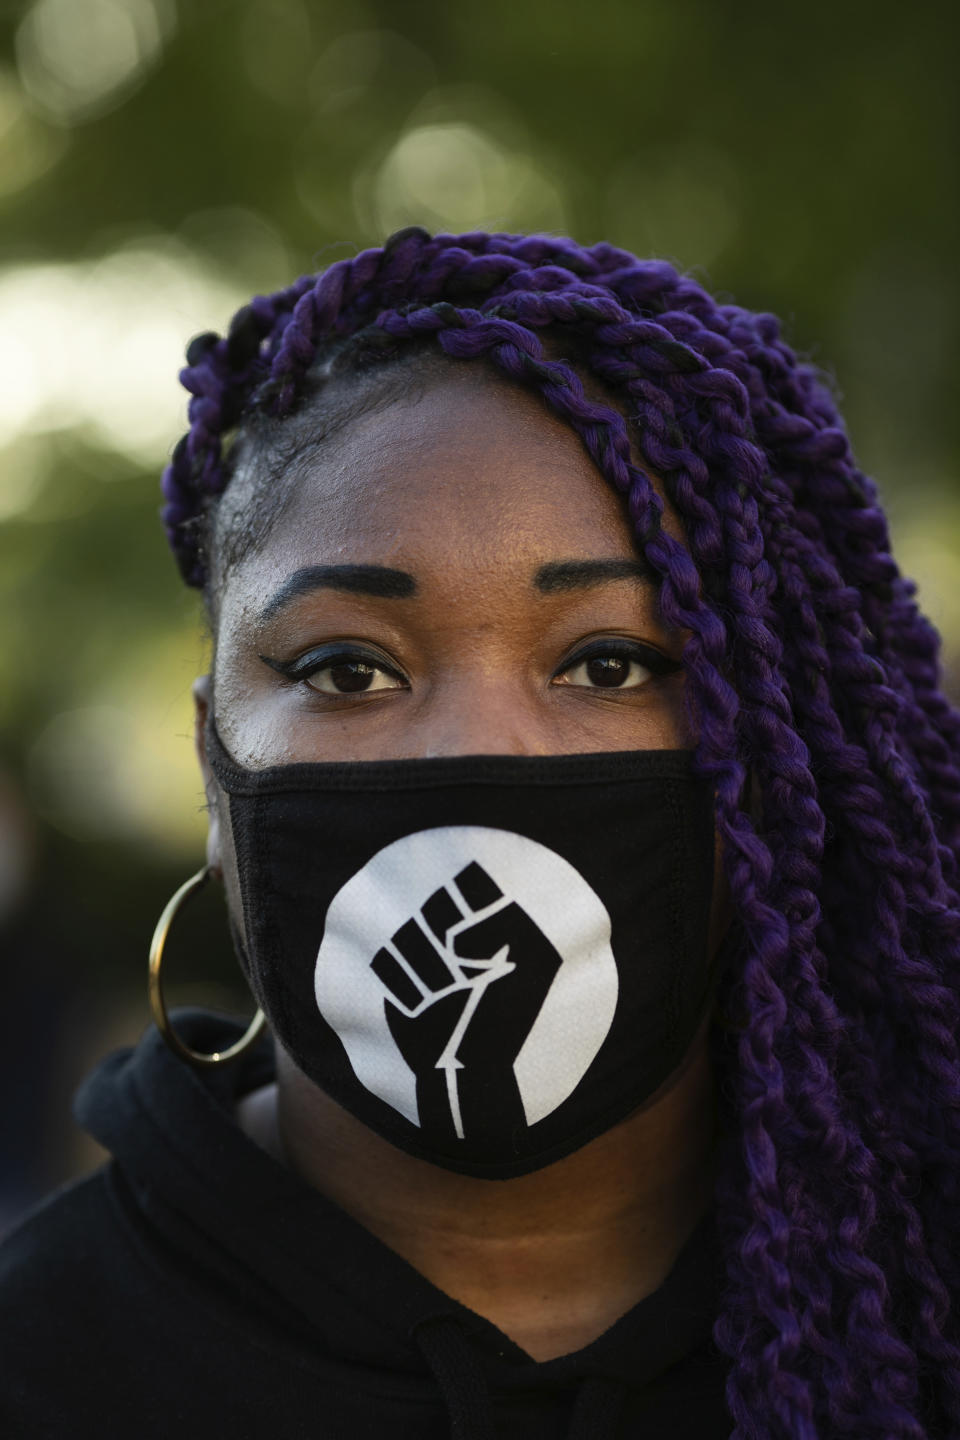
476, 973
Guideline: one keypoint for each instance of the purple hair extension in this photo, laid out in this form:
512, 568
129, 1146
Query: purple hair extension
812, 673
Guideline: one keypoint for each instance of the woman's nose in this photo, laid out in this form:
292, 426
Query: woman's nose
481, 720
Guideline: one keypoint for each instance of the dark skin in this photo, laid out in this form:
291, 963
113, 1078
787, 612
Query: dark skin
471, 488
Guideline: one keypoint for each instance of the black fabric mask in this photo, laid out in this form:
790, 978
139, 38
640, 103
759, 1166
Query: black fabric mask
489, 960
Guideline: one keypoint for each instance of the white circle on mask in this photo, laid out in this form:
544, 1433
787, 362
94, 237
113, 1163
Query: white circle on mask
360, 948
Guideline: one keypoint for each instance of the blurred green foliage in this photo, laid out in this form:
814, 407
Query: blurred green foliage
160, 160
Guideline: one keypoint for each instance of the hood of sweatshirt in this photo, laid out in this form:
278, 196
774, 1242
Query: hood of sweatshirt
266, 1239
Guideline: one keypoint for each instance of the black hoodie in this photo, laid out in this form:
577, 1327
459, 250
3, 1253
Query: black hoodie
194, 1287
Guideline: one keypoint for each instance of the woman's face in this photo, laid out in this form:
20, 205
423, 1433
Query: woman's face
452, 577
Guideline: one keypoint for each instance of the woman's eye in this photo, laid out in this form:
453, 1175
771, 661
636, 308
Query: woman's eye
336, 671
615, 669
351, 676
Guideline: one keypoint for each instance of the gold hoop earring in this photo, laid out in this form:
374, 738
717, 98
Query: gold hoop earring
159, 1009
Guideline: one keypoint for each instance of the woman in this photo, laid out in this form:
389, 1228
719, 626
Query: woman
587, 812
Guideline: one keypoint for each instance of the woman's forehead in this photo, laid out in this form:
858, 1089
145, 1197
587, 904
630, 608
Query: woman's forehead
462, 469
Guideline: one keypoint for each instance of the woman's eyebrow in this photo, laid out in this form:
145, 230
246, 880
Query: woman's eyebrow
377, 580
579, 574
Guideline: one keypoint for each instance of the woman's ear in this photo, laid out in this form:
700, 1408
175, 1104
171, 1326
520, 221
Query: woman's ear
202, 704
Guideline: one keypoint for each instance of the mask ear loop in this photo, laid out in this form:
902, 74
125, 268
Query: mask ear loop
194, 1057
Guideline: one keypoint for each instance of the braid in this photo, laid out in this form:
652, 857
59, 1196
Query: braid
812, 672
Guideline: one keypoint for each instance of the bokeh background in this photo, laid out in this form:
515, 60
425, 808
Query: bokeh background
162, 160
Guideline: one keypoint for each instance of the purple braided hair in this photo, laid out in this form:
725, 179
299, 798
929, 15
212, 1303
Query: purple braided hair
809, 667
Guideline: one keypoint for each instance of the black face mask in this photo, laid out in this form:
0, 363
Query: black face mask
489, 960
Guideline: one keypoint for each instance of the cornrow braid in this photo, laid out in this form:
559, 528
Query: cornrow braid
812, 674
